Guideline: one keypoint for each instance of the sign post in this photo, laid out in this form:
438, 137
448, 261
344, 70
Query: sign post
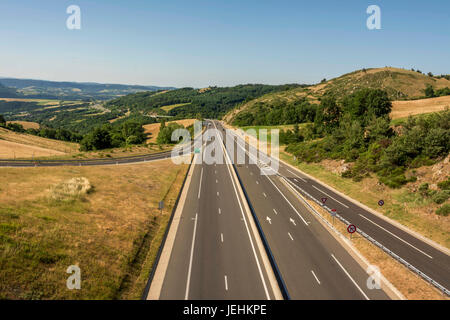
351, 229
333, 214
161, 206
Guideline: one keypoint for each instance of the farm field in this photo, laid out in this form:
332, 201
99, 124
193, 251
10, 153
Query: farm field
403, 109
153, 129
112, 231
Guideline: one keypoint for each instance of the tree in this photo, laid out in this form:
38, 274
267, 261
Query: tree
328, 114
98, 139
366, 104
429, 91
2, 121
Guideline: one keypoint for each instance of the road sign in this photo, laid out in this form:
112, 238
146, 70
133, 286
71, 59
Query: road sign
351, 229
333, 212
381, 203
197, 150
161, 205
324, 200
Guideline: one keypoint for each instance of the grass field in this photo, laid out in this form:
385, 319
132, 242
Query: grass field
13, 150
403, 109
23, 146
111, 233
173, 106
153, 129
26, 144
26, 124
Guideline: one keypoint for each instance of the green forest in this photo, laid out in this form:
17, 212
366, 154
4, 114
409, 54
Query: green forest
212, 102
358, 129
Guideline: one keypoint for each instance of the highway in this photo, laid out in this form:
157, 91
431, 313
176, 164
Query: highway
429, 260
312, 263
87, 162
215, 253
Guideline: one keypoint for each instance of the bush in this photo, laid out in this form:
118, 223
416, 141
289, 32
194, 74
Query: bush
165, 133
423, 189
444, 210
441, 196
444, 185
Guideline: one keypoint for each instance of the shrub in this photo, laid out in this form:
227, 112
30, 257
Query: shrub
423, 189
441, 196
444, 210
444, 185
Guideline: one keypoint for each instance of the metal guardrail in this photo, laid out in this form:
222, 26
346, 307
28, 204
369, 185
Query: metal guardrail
378, 244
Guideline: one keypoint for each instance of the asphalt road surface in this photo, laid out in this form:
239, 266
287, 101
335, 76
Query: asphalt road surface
426, 258
214, 255
87, 162
312, 263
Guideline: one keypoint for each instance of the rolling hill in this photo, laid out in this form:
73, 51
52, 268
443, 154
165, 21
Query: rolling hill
400, 84
182, 103
29, 88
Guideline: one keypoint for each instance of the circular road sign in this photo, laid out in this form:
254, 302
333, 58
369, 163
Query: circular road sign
351, 228
381, 203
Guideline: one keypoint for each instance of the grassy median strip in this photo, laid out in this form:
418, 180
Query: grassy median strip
111, 230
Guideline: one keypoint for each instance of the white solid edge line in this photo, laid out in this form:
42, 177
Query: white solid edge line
227, 158
200, 186
186, 296
317, 279
348, 275
395, 236
329, 196
226, 283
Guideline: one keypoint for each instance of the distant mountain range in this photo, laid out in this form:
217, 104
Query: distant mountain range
29, 88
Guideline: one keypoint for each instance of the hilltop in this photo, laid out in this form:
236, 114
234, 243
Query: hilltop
400, 84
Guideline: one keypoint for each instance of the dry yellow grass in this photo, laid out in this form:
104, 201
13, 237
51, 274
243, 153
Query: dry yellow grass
403, 109
173, 106
27, 124
27, 140
153, 129
11, 150
102, 232
42, 101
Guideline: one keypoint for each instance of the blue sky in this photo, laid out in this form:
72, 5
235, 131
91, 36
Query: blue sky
201, 43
